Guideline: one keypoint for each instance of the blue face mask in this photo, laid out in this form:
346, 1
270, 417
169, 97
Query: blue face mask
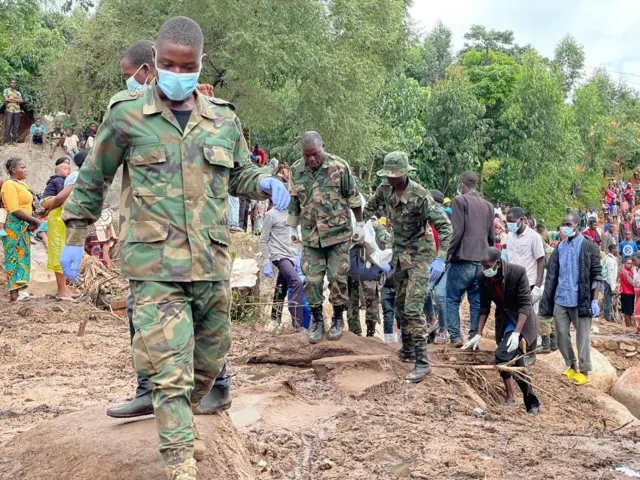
177, 86
133, 84
568, 231
512, 226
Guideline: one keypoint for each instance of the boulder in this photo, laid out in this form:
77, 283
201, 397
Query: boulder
603, 375
89, 445
627, 390
615, 413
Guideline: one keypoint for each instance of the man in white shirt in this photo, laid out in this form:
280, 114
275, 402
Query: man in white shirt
525, 248
610, 276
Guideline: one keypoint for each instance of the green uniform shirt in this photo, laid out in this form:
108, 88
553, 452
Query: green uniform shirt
414, 245
320, 201
174, 211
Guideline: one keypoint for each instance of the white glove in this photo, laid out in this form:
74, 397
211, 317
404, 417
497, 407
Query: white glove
293, 233
473, 344
512, 343
358, 232
536, 294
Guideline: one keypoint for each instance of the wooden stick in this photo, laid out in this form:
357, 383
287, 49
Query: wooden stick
480, 367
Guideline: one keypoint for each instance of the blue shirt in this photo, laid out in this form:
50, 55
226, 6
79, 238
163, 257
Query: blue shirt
567, 291
628, 248
37, 131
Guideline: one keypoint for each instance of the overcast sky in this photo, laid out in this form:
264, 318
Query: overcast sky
609, 30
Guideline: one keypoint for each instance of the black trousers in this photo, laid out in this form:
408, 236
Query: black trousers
11, 126
245, 203
502, 356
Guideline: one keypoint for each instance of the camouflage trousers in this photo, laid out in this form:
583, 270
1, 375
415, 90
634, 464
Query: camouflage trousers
371, 302
334, 261
411, 290
182, 334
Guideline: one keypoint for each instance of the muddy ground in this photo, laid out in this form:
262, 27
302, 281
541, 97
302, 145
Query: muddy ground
299, 422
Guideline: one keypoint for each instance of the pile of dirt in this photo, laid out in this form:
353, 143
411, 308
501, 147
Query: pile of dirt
88, 444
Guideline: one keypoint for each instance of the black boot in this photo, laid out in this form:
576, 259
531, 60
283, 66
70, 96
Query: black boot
546, 345
137, 407
337, 323
217, 400
371, 329
407, 353
421, 369
553, 341
317, 325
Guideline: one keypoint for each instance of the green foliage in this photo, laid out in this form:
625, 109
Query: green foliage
487, 40
428, 62
569, 58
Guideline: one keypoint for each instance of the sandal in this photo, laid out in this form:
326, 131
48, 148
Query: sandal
580, 379
570, 373
511, 404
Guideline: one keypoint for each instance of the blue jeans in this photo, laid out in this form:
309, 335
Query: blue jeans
462, 277
388, 296
439, 295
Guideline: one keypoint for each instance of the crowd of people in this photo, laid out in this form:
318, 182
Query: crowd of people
192, 179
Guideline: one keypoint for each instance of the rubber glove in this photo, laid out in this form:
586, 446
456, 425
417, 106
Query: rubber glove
513, 342
473, 344
536, 294
293, 233
358, 233
595, 308
386, 268
436, 270
70, 261
279, 193
268, 270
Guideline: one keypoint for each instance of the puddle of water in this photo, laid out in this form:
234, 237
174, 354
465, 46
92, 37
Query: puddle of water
629, 472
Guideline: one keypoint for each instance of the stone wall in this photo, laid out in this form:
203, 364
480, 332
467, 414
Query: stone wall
623, 351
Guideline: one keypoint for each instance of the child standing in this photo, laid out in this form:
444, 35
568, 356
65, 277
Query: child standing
627, 293
614, 211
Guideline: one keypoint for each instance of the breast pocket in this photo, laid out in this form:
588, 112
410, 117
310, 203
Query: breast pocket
148, 166
219, 163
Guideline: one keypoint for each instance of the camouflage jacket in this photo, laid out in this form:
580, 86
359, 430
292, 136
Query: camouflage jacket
320, 201
384, 239
174, 211
410, 216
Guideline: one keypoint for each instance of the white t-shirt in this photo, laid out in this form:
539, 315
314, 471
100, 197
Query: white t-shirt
71, 142
525, 250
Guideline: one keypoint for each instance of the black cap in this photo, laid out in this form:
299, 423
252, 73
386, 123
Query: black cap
438, 196
80, 157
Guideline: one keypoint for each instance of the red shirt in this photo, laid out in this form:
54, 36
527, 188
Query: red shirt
625, 285
593, 234
610, 196
259, 152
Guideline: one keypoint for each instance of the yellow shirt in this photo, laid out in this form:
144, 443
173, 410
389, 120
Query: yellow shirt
16, 196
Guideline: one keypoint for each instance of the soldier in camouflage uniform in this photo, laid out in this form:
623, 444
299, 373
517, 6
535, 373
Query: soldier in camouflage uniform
411, 210
323, 189
370, 290
183, 154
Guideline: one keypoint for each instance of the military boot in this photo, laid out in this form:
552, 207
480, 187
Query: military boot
407, 353
546, 345
317, 325
337, 323
553, 341
182, 471
371, 329
422, 367
199, 447
137, 407
217, 400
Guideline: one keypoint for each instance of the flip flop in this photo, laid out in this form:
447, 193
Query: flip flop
511, 404
580, 379
569, 373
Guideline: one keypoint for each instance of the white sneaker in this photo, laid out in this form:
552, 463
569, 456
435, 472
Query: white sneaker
389, 337
23, 295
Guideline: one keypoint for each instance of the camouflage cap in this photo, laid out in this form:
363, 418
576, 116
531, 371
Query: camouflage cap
396, 164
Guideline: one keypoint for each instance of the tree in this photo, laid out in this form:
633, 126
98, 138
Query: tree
569, 57
456, 132
486, 40
428, 62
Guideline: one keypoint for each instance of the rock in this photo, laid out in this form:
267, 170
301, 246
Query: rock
89, 445
602, 377
597, 342
627, 347
621, 353
627, 390
616, 414
326, 464
631, 354
611, 345
357, 375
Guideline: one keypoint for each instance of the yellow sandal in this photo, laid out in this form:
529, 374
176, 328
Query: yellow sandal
570, 373
580, 379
